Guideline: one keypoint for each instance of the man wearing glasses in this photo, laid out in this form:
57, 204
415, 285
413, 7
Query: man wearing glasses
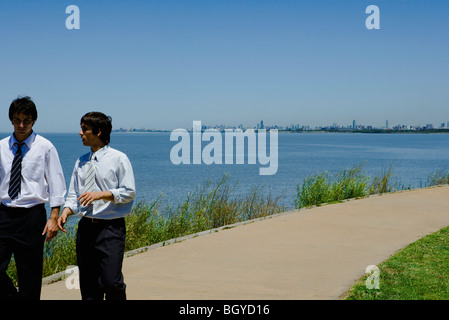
30, 176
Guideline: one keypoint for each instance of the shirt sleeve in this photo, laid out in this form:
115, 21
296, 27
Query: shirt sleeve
71, 201
55, 178
126, 190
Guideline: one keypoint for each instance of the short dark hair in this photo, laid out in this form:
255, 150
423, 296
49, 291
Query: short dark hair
23, 105
99, 122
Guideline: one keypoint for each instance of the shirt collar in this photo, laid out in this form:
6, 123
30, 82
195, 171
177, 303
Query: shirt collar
28, 141
99, 154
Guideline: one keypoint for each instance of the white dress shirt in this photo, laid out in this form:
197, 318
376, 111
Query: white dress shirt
114, 173
42, 175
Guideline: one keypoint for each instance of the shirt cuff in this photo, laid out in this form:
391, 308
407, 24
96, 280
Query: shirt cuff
122, 195
72, 206
56, 202
116, 195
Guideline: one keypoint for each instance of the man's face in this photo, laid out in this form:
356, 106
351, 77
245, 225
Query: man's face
23, 125
88, 137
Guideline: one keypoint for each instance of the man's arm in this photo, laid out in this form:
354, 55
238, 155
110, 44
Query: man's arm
124, 192
71, 205
87, 198
55, 178
126, 189
57, 189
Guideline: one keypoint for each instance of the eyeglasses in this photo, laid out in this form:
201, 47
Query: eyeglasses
25, 122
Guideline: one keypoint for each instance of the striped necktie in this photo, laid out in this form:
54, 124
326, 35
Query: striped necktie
16, 173
89, 184
90, 177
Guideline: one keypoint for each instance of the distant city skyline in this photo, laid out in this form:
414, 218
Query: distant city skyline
298, 126
163, 64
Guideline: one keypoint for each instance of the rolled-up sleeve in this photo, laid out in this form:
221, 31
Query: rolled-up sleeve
126, 188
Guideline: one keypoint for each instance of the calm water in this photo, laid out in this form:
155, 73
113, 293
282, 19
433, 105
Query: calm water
413, 156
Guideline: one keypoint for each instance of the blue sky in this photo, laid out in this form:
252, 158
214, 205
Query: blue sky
162, 64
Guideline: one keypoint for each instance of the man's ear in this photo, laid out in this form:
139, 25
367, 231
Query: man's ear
99, 133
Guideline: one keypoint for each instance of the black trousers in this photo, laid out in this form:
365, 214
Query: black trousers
100, 246
21, 236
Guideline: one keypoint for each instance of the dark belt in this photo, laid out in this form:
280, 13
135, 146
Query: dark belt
104, 221
92, 220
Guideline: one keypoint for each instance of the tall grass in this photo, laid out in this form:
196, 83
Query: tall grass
438, 177
348, 183
60, 252
211, 205
381, 182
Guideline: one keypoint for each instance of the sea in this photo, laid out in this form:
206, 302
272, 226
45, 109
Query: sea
412, 157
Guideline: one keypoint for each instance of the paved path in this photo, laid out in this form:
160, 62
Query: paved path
315, 253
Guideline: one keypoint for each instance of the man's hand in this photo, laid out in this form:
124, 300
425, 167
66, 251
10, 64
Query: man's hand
63, 218
51, 227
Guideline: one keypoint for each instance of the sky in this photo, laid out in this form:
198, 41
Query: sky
164, 64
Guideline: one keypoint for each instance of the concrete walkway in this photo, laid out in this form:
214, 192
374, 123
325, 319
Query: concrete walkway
314, 253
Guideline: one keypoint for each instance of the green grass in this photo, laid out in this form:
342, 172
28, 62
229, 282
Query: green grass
381, 182
420, 271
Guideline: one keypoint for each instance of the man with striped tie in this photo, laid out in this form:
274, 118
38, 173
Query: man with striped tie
102, 192
30, 176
